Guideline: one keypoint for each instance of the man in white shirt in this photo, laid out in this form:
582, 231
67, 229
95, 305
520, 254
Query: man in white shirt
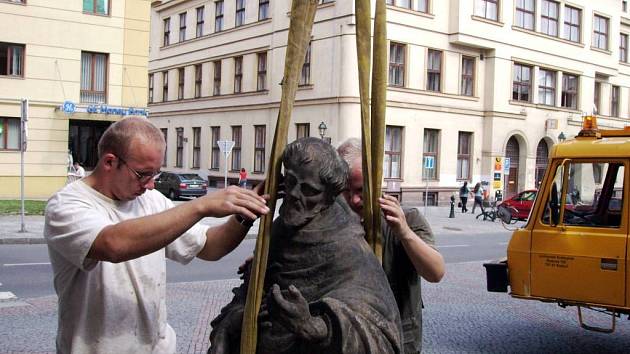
108, 236
79, 171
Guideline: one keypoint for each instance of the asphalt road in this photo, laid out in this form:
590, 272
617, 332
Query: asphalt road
26, 272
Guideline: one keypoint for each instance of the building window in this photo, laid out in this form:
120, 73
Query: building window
263, 10
98, 7
167, 32
596, 96
196, 147
10, 131
217, 78
522, 83
11, 59
397, 64
165, 134
198, 76
614, 101
549, 18
488, 9
569, 91
624, 5
200, 21
464, 150
572, 24
182, 27
236, 150
430, 154
261, 83
238, 74
165, 86
422, 5
215, 157
434, 70
393, 146
240, 13
305, 74
325, 1
179, 157
93, 77
302, 130
417, 5
259, 148
547, 87
623, 47
600, 32
525, 14
468, 76
150, 99
218, 16
180, 83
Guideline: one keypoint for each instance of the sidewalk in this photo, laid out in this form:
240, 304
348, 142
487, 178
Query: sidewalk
10, 225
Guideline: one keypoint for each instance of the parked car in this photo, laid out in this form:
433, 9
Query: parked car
520, 204
176, 185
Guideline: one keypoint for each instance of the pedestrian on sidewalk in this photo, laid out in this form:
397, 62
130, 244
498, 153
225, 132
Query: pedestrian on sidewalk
478, 193
109, 235
464, 191
408, 248
242, 178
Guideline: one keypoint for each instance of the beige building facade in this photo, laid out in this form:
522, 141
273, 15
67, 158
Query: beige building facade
473, 84
89, 57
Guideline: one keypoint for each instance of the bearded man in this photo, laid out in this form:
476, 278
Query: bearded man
325, 290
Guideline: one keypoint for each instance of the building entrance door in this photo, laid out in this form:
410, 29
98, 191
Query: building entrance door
511, 181
83, 141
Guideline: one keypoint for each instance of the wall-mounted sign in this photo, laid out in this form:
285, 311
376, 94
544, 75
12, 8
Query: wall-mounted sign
506, 166
497, 176
70, 107
498, 164
429, 162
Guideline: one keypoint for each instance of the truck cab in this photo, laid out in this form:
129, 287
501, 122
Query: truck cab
574, 248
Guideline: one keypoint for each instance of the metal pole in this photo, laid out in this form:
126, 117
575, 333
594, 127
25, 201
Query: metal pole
24, 118
426, 197
225, 181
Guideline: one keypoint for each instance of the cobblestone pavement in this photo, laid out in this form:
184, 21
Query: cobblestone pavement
460, 317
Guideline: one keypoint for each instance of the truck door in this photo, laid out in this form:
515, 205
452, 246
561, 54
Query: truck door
580, 237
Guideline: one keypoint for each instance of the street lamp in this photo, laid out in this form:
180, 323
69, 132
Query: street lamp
322, 129
561, 137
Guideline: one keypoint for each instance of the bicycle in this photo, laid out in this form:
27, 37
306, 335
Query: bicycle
489, 211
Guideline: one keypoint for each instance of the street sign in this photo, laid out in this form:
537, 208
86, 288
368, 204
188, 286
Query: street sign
24, 120
497, 176
498, 164
506, 166
429, 162
225, 146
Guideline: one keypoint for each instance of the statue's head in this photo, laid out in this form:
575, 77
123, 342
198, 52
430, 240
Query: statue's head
313, 177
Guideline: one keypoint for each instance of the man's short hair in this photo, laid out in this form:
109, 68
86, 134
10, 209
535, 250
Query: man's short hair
350, 151
118, 137
333, 172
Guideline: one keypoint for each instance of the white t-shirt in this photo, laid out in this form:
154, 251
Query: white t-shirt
106, 307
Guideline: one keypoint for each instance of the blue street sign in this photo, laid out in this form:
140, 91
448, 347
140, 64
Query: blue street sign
429, 162
506, 166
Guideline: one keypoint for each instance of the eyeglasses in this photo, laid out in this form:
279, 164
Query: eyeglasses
143, 177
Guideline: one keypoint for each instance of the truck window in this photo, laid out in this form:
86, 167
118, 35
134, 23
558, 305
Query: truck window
594, 194
552, 205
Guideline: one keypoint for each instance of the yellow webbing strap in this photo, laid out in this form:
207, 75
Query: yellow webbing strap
364, 39
302, 17
379, 105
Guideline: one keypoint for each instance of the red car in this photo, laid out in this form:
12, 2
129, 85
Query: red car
521, 203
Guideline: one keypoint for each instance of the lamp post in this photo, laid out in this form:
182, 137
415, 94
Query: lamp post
322, 129
561, 137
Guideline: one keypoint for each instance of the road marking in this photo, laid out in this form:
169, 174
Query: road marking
449, 246
24, 264
7, 295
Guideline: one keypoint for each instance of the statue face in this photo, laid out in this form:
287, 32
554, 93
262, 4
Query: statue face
305, 195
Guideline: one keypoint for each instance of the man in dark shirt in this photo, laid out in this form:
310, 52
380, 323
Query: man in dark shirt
408, 248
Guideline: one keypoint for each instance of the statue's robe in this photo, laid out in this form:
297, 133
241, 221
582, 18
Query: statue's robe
330, 263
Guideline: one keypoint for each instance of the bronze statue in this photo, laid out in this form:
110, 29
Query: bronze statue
325, 291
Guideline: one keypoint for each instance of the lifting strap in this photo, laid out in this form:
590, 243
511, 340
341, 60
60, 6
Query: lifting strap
302, 17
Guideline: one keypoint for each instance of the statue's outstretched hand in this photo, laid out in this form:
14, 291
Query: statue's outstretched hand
292, 311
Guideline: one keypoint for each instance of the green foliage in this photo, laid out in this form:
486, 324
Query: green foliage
31, 207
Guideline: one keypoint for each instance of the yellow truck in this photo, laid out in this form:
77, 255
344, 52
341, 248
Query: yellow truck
574, 248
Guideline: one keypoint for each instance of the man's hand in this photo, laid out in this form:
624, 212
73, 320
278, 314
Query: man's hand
394, 216
234, 200
293, 313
